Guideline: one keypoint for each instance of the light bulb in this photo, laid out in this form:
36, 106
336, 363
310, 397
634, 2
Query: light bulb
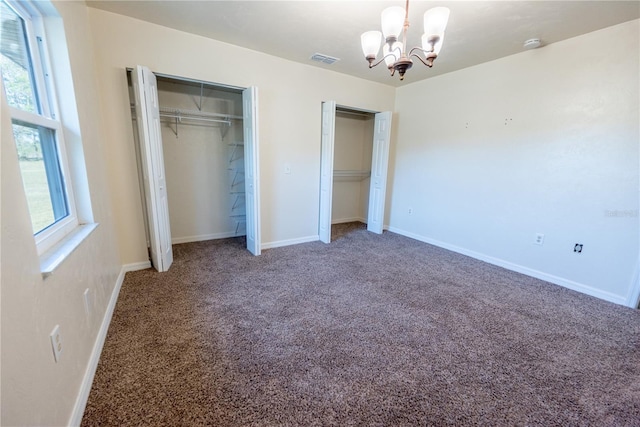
395, 51
435, 21
371, 43
392, 19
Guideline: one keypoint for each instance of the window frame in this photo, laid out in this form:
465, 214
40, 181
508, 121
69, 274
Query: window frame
48, 117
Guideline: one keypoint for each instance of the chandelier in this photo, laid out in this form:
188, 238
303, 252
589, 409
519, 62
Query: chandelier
395, 20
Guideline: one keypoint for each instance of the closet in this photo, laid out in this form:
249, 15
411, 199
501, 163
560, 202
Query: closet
197, 159
352, 165
354, 157
203, 151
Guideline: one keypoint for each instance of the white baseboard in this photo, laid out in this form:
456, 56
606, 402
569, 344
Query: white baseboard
289, 242
344, 220
201, 237
136, 266
85, 387
578, 287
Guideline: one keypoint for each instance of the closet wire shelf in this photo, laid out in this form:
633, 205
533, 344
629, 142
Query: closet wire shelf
351, 175
181, 116
197, 115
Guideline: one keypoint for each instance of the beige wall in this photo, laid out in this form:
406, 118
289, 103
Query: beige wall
35, 389
290, 96
545, 141
352, 151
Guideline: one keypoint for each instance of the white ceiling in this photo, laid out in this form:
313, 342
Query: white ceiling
478, 31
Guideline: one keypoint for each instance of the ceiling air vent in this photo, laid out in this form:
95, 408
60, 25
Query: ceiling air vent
325, 59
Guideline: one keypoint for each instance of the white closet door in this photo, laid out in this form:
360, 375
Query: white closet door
251, 171
326, 169
155, 187
379, 165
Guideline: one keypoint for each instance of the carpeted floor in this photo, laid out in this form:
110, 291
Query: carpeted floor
371, 330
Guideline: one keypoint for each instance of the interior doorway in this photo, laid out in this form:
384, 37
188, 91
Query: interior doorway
198, 161
353, 167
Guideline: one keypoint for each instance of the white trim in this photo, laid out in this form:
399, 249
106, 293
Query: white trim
87, 381
633, 298
200, 238
251, 134
23, 9
55, 256
578, 287
226, 87
55, 233
289, 242
379, 171
47, 117
136, 266
345, 220
327, 151
35, 119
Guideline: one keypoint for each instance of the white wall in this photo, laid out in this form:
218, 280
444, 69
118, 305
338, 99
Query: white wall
545, 141
352, 151
35, 389
290, 96
197, 164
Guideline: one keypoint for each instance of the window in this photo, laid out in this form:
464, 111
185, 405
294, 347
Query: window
37, 130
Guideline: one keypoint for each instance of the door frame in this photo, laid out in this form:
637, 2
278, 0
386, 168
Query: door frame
251, 151
327, 148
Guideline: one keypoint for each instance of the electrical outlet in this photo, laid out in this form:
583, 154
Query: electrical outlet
539, 240
88, 299
410, 211
56, 342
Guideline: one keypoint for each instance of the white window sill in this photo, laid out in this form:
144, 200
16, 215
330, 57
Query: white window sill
55, 256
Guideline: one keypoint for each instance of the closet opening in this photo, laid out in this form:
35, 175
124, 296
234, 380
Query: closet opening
354, 158
352, 166
197, 161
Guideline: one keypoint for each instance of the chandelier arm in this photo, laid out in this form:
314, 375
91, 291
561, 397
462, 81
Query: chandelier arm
414, 49
371, 64
428, 62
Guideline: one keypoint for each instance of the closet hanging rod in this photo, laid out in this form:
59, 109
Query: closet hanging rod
181, 117
352, 173
356, 113
195, 113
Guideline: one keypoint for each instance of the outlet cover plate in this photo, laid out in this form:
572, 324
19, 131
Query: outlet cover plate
56, 342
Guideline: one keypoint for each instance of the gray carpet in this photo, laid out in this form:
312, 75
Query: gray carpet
370, 330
